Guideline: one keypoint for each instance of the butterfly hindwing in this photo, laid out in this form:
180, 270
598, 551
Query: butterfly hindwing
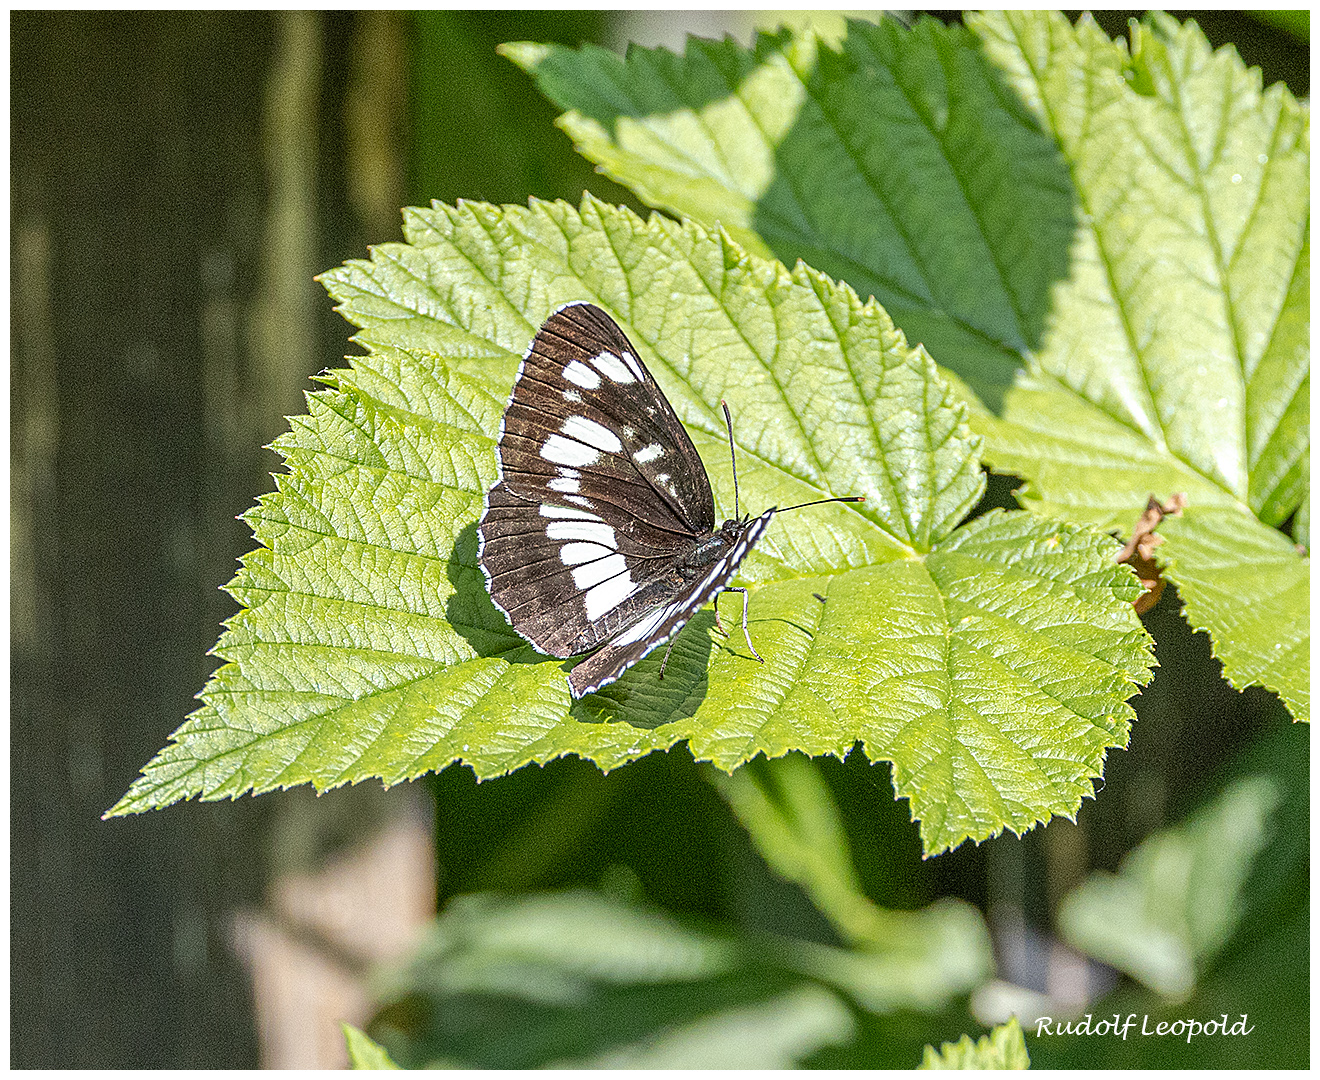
563, 576
661, 624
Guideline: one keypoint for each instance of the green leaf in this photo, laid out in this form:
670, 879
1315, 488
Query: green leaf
866, 163
660, 994
583, 981
1109, 251
1181, 360
1177, 898
363, 1053
789, 811
907, 959
1247, 585
990, 663
1004, 1048
1262, 970
1296, 23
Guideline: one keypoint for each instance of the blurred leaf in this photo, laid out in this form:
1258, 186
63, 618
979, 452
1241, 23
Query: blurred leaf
1297, 23
1130, 231
363, 1053
576, 980
1262, 972
901, 958
991, 663
456, 75
787, 808
1003, 1048
1177, 898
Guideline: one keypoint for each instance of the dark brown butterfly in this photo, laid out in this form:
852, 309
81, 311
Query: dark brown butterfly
600, 533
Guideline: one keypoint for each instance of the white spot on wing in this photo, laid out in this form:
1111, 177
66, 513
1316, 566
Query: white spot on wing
608, 595
593, 573
547, 510
564, 483
578, 372
616, 369
573, 554
646, 627
564, 451
648, 453
593, 532
721, 568
591, 433
636, 367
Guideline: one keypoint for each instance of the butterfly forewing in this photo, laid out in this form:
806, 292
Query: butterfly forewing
600, 528
587, 419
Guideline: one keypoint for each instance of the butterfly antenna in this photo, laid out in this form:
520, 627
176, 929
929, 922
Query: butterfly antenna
733, 461
728, 420
818, 502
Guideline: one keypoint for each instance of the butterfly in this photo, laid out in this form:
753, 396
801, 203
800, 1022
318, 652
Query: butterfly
600, 531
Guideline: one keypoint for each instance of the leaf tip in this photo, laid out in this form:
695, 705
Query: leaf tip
528, 55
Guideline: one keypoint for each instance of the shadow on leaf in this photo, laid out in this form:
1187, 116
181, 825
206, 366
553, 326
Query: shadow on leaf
917, 175
640, 697
471, 612
643, 699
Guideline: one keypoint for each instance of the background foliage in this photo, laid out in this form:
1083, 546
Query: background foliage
107, 914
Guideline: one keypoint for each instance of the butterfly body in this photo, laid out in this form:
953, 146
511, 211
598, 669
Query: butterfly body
600, 532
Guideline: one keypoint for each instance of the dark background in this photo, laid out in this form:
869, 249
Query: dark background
177, 179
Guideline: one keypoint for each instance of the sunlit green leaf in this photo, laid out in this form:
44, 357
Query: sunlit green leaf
990, 662
897, 164
1109, 250
1179, 360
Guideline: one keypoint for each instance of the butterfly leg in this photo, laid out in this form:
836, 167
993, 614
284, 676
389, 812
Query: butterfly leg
716, 604
745, 633
666, 659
